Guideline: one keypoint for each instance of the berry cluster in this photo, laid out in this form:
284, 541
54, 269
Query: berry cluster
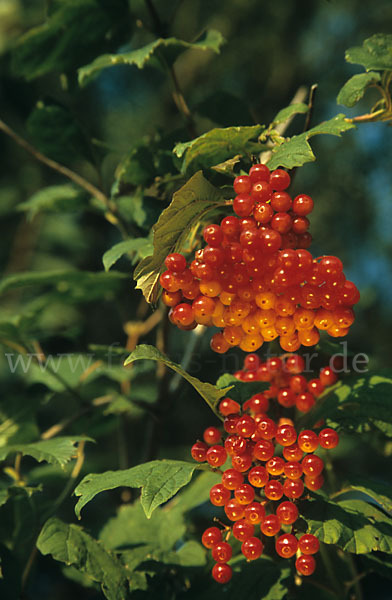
286, 383
255, 279
271, 465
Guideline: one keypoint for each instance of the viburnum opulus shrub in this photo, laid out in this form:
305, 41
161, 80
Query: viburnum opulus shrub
262, 491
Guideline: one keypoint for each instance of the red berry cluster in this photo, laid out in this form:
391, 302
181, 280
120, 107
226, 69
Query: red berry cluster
255, 279
260, 489
287, 384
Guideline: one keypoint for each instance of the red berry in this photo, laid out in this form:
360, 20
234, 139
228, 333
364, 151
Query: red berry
259, 173
302, 205
263, 450
234, 510
328, 376
244, 493
305, 565
245, 426
293, 488
315, 387
328, 438
230, 226
293, 470
258, 476
252, 548
275, 465
308, 544
267, 428
308, 440
219, 495
230, 422
258, 403
242, 184
270, 525
213, 235
211, 435
231, 479
169, 282
222, 573
175, 262
242, 462
273, 490
312, 465
292, 453
228, 407
243, 205
314, 483
286, 545
216, 456
242, 530
300, 225
254, 513
286, 435
304, 402
287, 513
298, 384
235, 445
286, 397
221, 552
294, 364
281, 222
199, 451
279, 180
211, 536
281, 201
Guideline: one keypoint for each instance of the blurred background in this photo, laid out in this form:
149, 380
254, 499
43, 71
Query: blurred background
272, 49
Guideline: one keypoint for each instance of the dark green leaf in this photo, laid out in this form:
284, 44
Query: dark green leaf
58, 450
71, 545
159, 480
211, 393
378, 491
141, 246
72, 34
55, 198
356, 403
297, 151
379, 563
354, 89
352, 525
216, 146
197, 492
189, 205
241, 391
160, 53
137, 168
290, 111
375, 53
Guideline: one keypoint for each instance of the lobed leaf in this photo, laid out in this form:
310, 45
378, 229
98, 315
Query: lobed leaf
354, 89
159, 480
375, 53
211, 393
377, 491
297, 151
190, 204
73, 546
217, 146
142, 247
160, 53
290, 111
58, 450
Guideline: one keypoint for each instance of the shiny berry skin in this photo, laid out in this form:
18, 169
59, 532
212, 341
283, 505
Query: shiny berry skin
227, 407
286, 435
254, 513
279, 180
231, 479
308, 544
230, 226
222, 573
298, 384
235, 444
287, 513
294, 364
308, 440
286, 545
169, 282
171, 298
263, 450
245, 494
315, 387
302, 205
314, 483
211, 435
259, 173
293, 470
211, 536
219, 495
328, 438
293, 488
221, 552
273, 490
263, 212
241, 462
234, 510
258, 403
270, 525
175, 262
304, 402
199, 451
213, 235
281, 201
229, 423
275, 465
305, 565
245, 426
292, 453
242, 184
243, 205
328, 376
312, 465
267, 428
216, 456
252, 548
286, 397
258, 476
242, 530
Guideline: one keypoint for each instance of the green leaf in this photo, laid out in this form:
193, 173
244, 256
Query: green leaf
352, 525
71, 545
375, 53
216, 146
209, 392
159, 480
290, 111
137, 168
297, 151
18, 419
189, 206
191, 554
356, 403
72, 34
141, 246
56, 134
380, 563
378, 491
58, 450
160, 53
225, 109
354, 89
241, 391
197, 492
55, 198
